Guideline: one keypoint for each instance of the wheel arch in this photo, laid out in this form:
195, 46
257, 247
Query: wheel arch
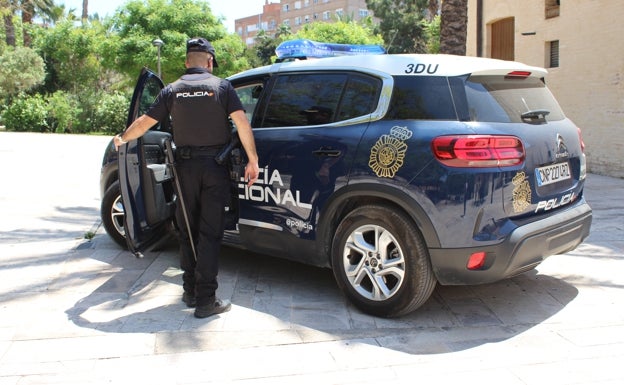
360, 194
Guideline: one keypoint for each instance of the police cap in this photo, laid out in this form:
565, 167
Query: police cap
199, 44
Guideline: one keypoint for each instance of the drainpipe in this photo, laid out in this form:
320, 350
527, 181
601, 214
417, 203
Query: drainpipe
480, 28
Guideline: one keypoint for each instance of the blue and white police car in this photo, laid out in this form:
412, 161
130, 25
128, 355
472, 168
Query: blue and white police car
398, 172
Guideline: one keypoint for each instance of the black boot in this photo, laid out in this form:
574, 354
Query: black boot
189, 299
217, 307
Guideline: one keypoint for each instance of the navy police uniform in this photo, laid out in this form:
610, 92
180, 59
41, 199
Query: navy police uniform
199, 104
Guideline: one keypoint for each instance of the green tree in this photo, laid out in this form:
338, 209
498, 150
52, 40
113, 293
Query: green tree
432, 31
71, 54
401, 24
21, 69
27, 10
341, 32
263, 52
129, 47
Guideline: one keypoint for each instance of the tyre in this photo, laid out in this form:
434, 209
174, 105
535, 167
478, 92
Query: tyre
112, 212
381, 263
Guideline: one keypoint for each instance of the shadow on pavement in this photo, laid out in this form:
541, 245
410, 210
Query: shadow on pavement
274, 297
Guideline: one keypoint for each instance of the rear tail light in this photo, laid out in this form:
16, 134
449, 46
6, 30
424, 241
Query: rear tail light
581, 139
478, 150
583, 171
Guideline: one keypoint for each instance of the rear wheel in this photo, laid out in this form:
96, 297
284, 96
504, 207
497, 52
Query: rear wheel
112, 212
381, 263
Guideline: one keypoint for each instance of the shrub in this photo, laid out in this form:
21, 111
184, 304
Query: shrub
26, 113
111, 113
63, 112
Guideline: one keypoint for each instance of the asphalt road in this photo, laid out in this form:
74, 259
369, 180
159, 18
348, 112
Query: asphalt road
80, 311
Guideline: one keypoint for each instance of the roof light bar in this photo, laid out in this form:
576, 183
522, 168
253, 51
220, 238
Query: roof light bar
304, 48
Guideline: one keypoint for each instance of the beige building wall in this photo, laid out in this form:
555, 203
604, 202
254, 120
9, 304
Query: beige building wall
589, 80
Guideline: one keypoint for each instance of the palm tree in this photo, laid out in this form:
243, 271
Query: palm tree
27, 8
85, 10
8, 10
433, 6
453, 27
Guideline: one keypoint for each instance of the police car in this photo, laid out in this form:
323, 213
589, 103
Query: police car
398, 172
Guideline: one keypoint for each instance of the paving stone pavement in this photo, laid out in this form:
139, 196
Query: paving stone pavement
80, 311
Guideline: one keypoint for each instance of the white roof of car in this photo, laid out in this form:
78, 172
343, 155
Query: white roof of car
405, 64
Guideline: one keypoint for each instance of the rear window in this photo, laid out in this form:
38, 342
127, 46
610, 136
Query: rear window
505, 100
421, 97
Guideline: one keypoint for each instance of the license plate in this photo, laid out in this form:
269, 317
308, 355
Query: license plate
552, 174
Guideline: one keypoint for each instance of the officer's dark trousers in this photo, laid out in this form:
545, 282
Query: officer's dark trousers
204, 186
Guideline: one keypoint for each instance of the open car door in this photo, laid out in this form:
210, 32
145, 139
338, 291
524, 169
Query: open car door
145, 179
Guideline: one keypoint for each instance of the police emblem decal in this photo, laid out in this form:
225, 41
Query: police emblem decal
388, 153
521, 192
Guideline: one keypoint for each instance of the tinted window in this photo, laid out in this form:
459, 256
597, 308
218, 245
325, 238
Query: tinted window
150, 91
504, 100
248, 95
320, 98
421, 97
360, 97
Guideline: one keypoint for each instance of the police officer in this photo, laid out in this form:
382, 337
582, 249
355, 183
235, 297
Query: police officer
199, 104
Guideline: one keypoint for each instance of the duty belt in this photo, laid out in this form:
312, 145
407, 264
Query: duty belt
190, 152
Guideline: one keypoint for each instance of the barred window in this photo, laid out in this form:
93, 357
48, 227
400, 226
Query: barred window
553, 54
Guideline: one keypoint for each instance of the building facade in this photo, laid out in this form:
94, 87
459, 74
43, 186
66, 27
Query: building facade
297, 13
268, 21
580, 44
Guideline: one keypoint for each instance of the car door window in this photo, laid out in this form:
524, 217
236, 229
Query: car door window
360, 97
304, 99
249, 95
319, 98
151, 90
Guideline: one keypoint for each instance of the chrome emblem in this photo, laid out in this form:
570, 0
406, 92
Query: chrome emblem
562, 149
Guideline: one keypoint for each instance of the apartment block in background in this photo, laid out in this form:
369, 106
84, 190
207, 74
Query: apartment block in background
297, 13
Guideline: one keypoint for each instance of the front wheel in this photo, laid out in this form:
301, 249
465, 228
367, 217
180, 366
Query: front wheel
112, 213
381, 263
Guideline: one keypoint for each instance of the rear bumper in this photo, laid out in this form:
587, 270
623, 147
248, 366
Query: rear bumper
526, 247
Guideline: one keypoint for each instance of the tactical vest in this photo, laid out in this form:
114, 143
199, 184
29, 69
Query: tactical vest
198, 113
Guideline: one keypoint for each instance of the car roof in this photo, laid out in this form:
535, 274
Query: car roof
403, 64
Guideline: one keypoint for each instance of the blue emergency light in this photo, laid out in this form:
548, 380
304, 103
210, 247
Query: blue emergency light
304, 49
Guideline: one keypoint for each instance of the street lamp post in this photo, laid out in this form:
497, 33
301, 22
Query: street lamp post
158, 43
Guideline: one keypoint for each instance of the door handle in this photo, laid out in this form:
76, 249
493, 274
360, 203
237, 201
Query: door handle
327, 151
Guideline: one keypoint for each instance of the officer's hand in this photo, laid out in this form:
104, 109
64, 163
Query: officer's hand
118, 141
251, 173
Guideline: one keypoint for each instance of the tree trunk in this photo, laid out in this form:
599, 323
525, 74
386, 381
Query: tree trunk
453, 27
433, 7
85, 10
28, 10
8, 9
9, 30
